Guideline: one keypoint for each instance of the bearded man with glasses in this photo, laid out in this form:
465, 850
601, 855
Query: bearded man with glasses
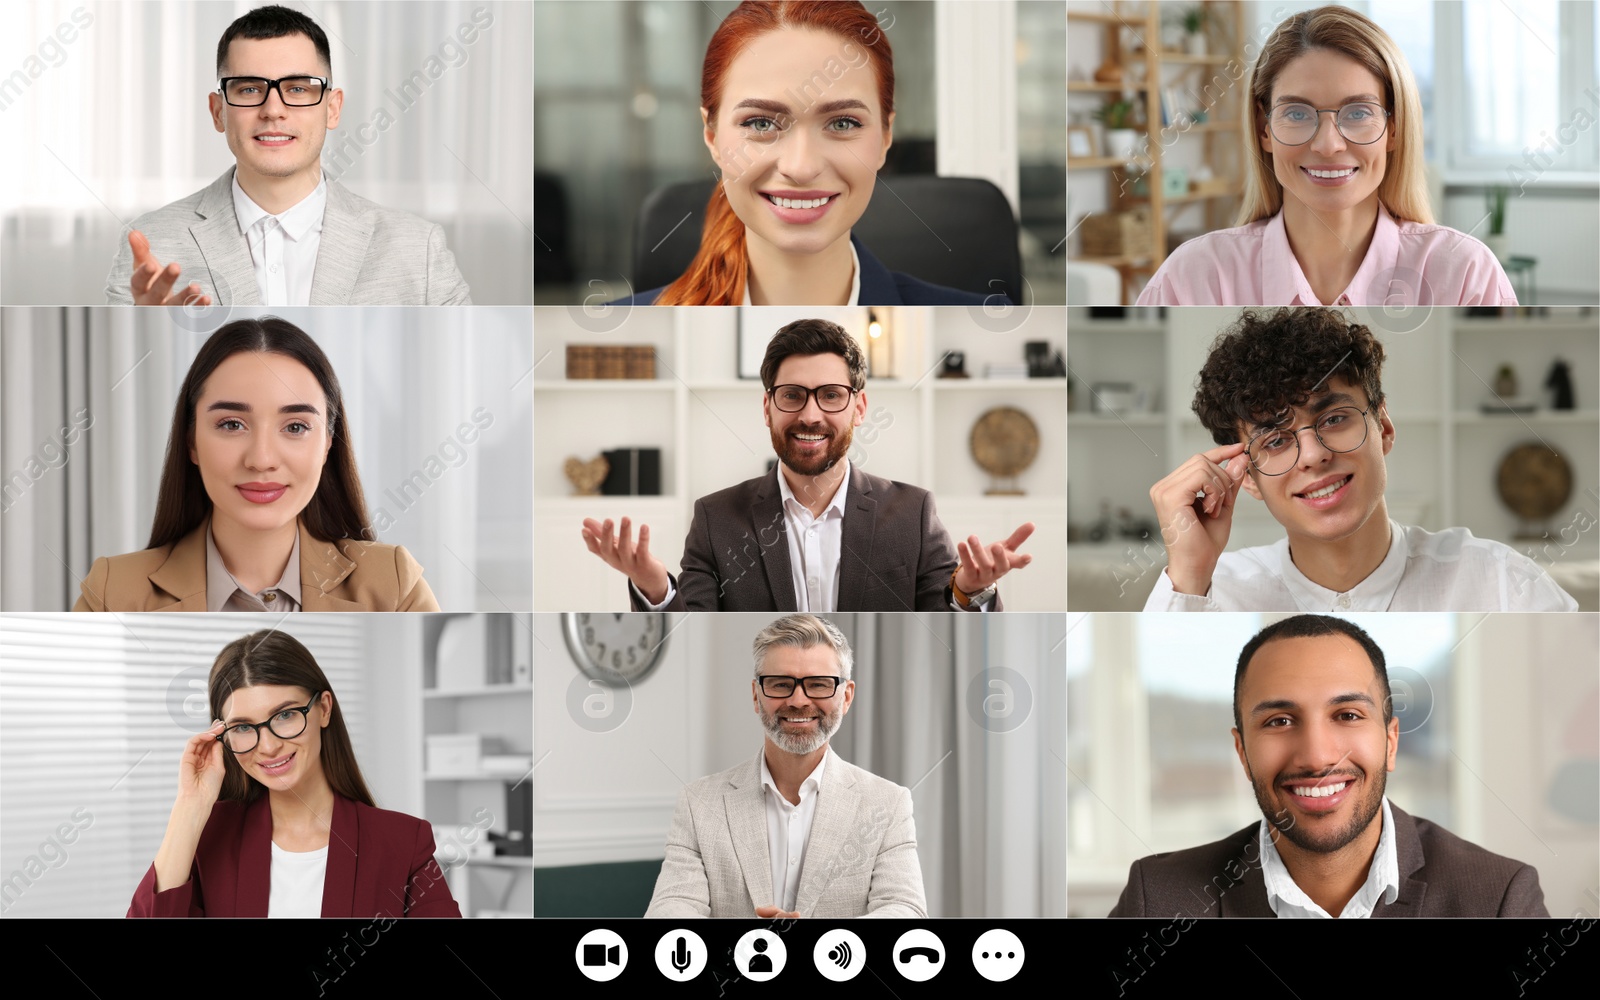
795, 831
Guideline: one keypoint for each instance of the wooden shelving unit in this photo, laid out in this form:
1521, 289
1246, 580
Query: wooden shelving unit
1225, 119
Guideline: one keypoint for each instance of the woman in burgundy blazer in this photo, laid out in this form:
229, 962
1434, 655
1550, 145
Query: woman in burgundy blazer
279, 771
380, 863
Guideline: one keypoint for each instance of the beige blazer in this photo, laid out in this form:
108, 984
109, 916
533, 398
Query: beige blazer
861, 857
369, 255
347, 575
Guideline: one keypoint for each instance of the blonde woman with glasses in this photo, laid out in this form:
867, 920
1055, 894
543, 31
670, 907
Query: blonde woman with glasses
1335, 208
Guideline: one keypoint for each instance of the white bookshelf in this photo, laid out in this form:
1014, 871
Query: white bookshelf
502, 712
1446, 454
707, 422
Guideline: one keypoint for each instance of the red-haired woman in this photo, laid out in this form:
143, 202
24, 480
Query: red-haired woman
797, 162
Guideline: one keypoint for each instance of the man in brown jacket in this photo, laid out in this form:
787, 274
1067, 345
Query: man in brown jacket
1315, 733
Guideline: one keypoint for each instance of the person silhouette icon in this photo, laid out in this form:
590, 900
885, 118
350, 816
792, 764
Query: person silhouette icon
760, 961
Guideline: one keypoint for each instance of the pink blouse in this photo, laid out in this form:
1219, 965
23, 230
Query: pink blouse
1408, 263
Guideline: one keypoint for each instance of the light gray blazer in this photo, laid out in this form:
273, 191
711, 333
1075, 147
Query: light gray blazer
369, 255
861, 857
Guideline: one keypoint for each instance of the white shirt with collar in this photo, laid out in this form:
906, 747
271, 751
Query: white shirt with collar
283, 247
789, 829
855, 280
1449, 570
1287, 899
814, 545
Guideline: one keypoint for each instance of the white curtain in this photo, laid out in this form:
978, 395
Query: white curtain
990, 798
114, 123
86, 399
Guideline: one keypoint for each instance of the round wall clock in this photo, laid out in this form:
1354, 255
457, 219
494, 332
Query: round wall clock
615, 648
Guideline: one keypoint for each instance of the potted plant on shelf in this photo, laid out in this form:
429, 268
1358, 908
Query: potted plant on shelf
1494, 198
1122, 137
1194, 20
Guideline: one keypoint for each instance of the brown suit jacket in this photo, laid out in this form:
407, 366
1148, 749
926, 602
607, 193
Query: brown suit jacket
894, 554
347, 575
1441, 875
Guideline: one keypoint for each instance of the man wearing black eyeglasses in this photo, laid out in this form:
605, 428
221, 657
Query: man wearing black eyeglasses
796, 831
273, 230
816, 533
1294, 399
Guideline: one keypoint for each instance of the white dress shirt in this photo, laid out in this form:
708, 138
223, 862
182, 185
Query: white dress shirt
297, 880
1287, 899
788, 830
855, 280
1449, 570
283, 247
814, 545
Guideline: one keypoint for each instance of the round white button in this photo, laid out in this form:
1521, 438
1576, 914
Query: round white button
839, 955
997, 955
602, 955
919, 955
681, 955
760, 955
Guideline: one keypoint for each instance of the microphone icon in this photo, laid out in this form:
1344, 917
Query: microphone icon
680, 956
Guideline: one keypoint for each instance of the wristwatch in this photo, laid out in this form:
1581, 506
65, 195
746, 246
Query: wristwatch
971, 600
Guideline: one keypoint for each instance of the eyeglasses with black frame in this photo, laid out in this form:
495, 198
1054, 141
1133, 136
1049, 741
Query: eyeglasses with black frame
793, 398
1277, 450
252, 91
780, 686
1361, 122
286, 724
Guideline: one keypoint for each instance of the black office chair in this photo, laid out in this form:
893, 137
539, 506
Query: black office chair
953, 231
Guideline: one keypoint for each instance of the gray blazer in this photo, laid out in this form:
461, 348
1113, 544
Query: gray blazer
894, 555
369, 255
861, 857
1441, 875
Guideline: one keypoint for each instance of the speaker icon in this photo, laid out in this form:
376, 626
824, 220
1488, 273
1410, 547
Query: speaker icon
839, 955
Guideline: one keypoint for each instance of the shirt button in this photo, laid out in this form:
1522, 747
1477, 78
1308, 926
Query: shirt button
270, 596
793, 863
274, 269
1344, 600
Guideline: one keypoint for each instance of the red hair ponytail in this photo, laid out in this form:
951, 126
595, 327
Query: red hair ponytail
716, 276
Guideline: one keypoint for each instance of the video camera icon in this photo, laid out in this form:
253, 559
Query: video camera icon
602, 955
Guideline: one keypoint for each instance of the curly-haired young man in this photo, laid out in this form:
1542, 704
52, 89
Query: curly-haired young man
1294, 399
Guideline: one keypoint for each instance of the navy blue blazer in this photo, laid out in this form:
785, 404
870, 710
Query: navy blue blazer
879, 287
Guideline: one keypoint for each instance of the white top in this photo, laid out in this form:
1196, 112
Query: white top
814, 544
788, 830
855, 280
1449, 570
283, 247
297, 882
1288, 900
